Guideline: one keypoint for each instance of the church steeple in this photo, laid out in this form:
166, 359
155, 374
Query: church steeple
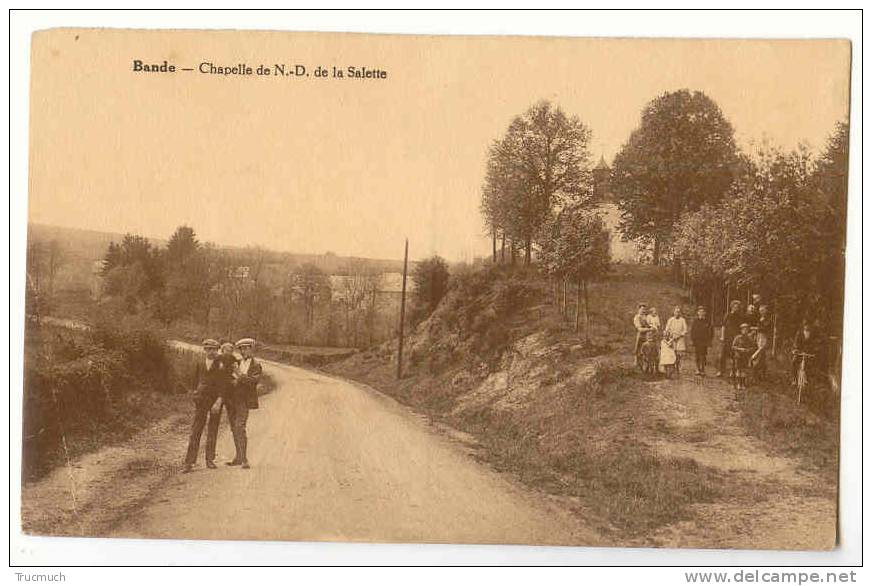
602, 164
601, 174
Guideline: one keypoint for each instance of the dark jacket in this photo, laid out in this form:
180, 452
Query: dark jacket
752, 318
743, 345
732, 321
246, 384
210, 383
701, 332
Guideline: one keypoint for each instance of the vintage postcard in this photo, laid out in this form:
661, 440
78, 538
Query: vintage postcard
423, 289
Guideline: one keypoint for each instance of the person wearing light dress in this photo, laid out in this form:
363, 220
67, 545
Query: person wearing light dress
654, 319
676, 331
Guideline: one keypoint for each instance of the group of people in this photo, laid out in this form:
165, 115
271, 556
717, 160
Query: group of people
745, 336
225, 379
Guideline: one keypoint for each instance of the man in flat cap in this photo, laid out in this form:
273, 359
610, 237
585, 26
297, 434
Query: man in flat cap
243, 397
211, 379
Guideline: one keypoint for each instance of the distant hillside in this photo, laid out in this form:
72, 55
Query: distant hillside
79, 250
82, 248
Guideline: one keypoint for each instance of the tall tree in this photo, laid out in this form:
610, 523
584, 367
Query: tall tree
190, 270
133, 271
182, 245
575, 248
776, 232
542, 162
310, 284
682, 155
830, 180
431, 283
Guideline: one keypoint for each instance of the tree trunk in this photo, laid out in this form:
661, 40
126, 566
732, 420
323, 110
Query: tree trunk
494, 243
528, 245
676, 269
655, 254
712, 308
563, 302
577, 303
503, 249
514, 251
586, 311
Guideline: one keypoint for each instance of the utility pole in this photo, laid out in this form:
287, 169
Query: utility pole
403, 312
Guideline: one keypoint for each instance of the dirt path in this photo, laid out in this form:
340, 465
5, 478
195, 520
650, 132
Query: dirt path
779, 503
330, 461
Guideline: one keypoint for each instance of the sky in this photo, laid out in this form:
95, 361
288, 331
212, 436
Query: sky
355, 166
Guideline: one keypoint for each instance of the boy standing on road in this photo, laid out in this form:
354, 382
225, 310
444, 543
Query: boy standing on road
211, 379
224, 403
701, 334
243, 398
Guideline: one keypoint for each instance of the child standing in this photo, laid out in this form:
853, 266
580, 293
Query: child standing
654, 319
676, 330
743, 348
701, 334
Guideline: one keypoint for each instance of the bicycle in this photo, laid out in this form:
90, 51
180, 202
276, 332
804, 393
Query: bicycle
801, 376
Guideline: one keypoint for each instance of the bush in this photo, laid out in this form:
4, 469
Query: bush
143, 348
80, 385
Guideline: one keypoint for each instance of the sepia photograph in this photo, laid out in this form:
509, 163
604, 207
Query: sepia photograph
382, 288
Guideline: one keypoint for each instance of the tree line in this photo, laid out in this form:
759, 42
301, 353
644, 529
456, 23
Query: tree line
779, 230
196, 287
772, 221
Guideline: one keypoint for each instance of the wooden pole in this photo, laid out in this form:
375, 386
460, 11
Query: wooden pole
403, 312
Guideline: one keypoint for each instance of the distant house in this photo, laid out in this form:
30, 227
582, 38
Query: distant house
240, 272
393, 283
621, 249
390, 286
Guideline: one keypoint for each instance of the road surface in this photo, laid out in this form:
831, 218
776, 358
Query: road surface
335, 461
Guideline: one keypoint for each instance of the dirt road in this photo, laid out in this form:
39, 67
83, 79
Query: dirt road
332, 460
778, 503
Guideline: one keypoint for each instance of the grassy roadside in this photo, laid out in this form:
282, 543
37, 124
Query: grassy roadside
566, 414
558, 410
90, 389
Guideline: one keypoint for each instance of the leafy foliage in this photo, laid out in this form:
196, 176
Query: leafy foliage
310, 284
431, 284
781, 230
80, 385
682, 156
575, 246
133, 272
541, 163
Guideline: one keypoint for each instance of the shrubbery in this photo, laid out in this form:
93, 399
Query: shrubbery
476, 318
81, 384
